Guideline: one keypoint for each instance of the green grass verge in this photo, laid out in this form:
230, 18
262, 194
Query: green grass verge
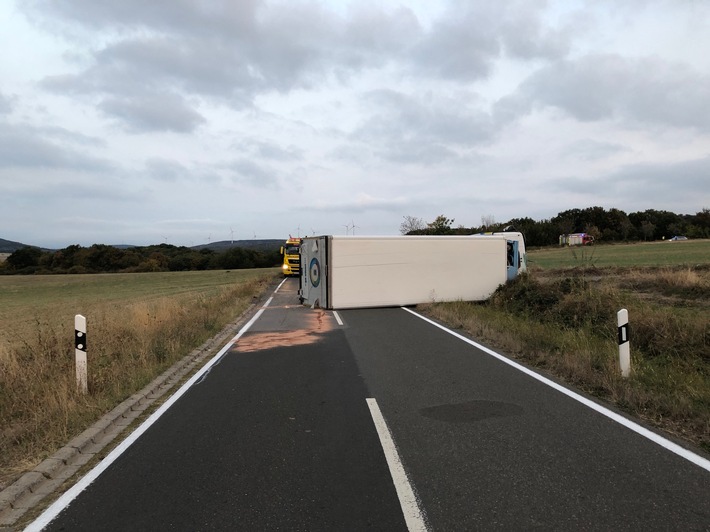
688, 252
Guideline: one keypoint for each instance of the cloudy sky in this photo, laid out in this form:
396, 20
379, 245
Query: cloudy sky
189, 121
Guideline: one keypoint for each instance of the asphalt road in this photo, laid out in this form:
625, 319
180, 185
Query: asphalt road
278, 436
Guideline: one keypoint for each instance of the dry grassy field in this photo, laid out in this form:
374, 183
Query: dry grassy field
137, 325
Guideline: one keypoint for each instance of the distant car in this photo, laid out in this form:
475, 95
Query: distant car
676, 238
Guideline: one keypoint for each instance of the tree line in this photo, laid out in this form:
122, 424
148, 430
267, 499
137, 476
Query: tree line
605, 225
612, 225
101, 258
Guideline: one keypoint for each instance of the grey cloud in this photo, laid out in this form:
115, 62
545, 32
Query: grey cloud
270, 150
153, 112
166, 170
362, 203
429, 117
414, 152
350, 153
161, 15
576, 185
65, 135
297, 45
248, 172
140, 106
29, 147
418, 129
234, 51
171, 171
648, 183
5, 104
685, 181
218, 53
464, 43
377, 32
643, 91
194, 65
524, 35
593, 150
112, 192
66, 84
225, 49
457, 49
142, 67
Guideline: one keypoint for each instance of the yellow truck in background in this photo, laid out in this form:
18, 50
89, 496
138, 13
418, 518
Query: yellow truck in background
291, 251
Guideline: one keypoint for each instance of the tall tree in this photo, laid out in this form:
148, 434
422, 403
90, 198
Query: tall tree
412, 224
27, 257
441, 225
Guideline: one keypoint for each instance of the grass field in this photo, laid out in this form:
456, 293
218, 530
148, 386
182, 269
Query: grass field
137, 325
688, 252
27, 299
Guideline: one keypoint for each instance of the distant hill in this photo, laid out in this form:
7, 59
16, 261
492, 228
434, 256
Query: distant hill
8, 246
258, 245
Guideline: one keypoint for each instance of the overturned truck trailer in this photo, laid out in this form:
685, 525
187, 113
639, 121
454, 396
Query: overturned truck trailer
340, 272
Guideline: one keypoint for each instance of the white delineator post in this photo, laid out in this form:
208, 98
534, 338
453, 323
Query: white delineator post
622, 322
80, 353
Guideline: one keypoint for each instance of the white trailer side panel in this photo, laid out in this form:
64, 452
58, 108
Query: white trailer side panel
395, 271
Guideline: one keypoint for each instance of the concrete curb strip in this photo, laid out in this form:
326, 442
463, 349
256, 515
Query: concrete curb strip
33, 486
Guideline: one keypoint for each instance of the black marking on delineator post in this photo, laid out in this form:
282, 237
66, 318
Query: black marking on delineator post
80, 340
80, 353
623, 332
622, 323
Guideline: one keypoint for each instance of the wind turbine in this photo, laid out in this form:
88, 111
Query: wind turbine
354, 226
232, 231
347, 229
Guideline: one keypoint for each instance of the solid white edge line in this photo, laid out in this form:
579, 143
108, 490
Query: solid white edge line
337, 318
72, 493
413, 515
280, 285
656, 438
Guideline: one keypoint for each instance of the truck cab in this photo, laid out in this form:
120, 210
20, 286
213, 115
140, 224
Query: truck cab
516, 256
291, 252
